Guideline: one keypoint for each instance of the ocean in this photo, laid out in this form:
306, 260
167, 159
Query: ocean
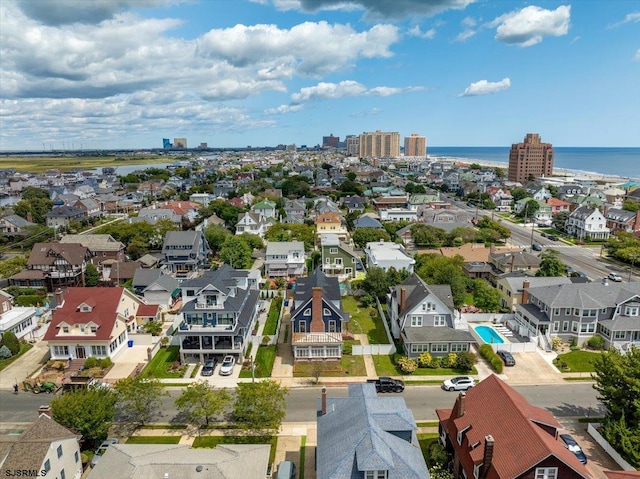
624, 162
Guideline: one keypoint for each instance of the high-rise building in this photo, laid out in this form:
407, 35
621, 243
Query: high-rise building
166, 144
330, 141
415, 145
180, 143
530, 159
379, 144
353, 145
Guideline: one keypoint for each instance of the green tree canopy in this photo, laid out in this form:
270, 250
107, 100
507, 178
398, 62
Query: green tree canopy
531, 207
200, 402
292, 232
31, 192
551, 265
437, 269
377, 282
519, 193
236, 253
215, 236
88, 411
559, 220
10, 340
91, 275
485, 296
362, 236
139, 399
428, 236
11, 266
36, 207
296, 186
631, 205
260, 406
486, 223
254, 241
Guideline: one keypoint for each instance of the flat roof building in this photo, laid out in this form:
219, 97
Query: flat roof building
415, 145
531, 158
379, 144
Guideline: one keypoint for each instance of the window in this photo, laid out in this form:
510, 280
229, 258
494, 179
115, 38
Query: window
47, 465
332, 326
327, 260
565, 326
556, 311
94, 329
62, 475
574, 326
546, 473
333, 250
458, 348
59, 451
99, 350
588, 328
61, 350
419, 348
567, 311
619, 334
440, 320
375, 474
76, 456
631, 311
65, 329
416, 321
326, 312
556, 326
191, 292
307, 312
439, 348
303, 326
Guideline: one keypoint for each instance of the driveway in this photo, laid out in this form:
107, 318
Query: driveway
25, 365
531, 368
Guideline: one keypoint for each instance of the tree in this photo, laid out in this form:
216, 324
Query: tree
486, 297
10, 340
351, 187
90, 412
254, 241
290, 232
12, 266
215, 236
486, 223
362, 236
31, 192
519, 193
5, 353
375, 282
428, 236
36, 207
200, 402
531, 207
153, 327
617, 380
436, 269
551, 265
260, 406
139, 399
91, 275
236, 253
559, 220
630, 205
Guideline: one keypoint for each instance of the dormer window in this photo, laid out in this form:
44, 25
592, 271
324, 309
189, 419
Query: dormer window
65, 329
375, 474
85, 308
631, 311
94, 329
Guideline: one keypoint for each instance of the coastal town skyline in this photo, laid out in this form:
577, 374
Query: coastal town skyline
103, 75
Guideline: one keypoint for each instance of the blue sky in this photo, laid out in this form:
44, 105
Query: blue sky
126, 73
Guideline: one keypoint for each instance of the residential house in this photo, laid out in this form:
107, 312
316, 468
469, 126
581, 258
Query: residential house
501, 198
21, 321
201, 198
353, 203
542, 215
266, 209
365, 436
386, 202
185, 252
103, 247
492, 432
14, 225
511, 288
331, 223
118, 272
557, 205
153, 215
577, 311
44, 448
386, 255
623, 220
614, 196
422, 317
170, 461
284, 259
367, 221
539, 193
514, 261
295, 209
155, 287
317, 318
187, 210
587, 223
92, 322
219, 311
250, 222
569, 191
398, 214
61, 216
90, 207
421, 200
54, 265
338, 258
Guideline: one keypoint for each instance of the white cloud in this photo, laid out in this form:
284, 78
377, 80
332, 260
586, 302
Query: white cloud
362, 114
283, 109
528, 26
633, 17
329, 91
465, 35
375, 8
469, 22
416, 32
484, 87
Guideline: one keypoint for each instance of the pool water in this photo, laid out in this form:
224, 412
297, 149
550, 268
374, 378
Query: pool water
489, 335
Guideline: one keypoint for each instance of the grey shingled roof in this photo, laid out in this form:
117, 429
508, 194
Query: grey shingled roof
585, 295
437, 334
143, 277
417, 290
360, 433
283, 247
330, 288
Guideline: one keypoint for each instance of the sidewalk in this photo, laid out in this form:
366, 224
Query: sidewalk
24, 366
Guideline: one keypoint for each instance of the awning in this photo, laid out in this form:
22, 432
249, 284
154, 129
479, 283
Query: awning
176, 292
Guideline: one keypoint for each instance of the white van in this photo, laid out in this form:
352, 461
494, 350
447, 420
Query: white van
286, 470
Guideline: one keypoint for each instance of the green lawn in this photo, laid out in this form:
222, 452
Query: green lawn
24, 347
162, 362
349, 366
272, 317
265, 358
213, 441
153, 440
385, 366
362, 322
425, 441
578, 361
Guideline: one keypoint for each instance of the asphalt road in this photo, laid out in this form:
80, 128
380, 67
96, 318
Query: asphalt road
575, 399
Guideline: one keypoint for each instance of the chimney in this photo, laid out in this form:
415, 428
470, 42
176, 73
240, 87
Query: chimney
403, 299
317, 324
323, 401
29, 217
46, 410
487, 458
462, 399
59, 298
525, 292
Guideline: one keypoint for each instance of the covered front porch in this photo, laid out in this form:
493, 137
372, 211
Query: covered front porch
317, 345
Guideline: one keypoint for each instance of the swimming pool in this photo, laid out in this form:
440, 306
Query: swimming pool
488, 334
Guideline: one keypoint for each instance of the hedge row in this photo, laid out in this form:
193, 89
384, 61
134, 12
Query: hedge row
486, 351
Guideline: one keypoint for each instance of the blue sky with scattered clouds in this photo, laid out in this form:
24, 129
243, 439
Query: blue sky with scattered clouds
126, 73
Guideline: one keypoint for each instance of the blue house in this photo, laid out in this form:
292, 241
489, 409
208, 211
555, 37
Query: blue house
317, 318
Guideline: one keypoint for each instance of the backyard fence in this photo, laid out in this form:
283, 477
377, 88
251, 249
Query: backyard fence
373, 349
593, 431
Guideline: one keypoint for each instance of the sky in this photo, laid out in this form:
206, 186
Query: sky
107, 74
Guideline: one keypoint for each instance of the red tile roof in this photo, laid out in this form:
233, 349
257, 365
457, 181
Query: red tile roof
103, 302
148, 310
524, 435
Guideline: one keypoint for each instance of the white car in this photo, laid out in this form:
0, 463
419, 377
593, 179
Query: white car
226, 368
614, 277
459, 383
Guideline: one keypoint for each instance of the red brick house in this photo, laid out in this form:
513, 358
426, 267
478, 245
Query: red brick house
492, 432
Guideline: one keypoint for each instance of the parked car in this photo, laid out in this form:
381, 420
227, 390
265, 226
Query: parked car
536, 247
614, 277
459, 383
209, 366
552, 238
574, 447
226, 368
385, 384
543, 234
507, 357
102, 449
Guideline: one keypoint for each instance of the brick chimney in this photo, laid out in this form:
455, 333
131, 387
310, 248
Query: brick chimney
487, 458
317, 324
403, 299
525, 292
59, 298
462, 399
323, 401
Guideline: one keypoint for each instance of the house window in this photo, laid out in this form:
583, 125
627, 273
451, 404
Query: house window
302, 326
191, 292
439, 348
567, 311
440, 320
419, 348
631, 311
94, 329
332, 326
307, 312
375, 475
556, 326
65, 329
61, 351
63, 475
619, 334
574, 326
588, 328
565, 326
59, 451
99, 350
327, 260
458, 348
556, 311
76, 456
576, 312
338, 261
546, 473
333, 250
416, 321
348, 270
47, 465
326, 312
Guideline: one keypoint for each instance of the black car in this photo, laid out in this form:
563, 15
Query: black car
207, 369
536, 247
507, 357
552, 238
574, 447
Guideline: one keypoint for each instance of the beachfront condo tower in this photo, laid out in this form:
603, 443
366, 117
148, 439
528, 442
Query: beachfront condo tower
415, 145
530, 159
379, 144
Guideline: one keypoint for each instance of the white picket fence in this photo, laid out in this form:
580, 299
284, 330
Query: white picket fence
373, 350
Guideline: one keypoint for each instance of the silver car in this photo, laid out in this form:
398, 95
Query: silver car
226, 368
459, 383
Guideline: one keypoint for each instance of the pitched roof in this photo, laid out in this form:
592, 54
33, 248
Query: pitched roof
283, 247
47, 253
524, 435
417, 290
594, 295
94, 242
